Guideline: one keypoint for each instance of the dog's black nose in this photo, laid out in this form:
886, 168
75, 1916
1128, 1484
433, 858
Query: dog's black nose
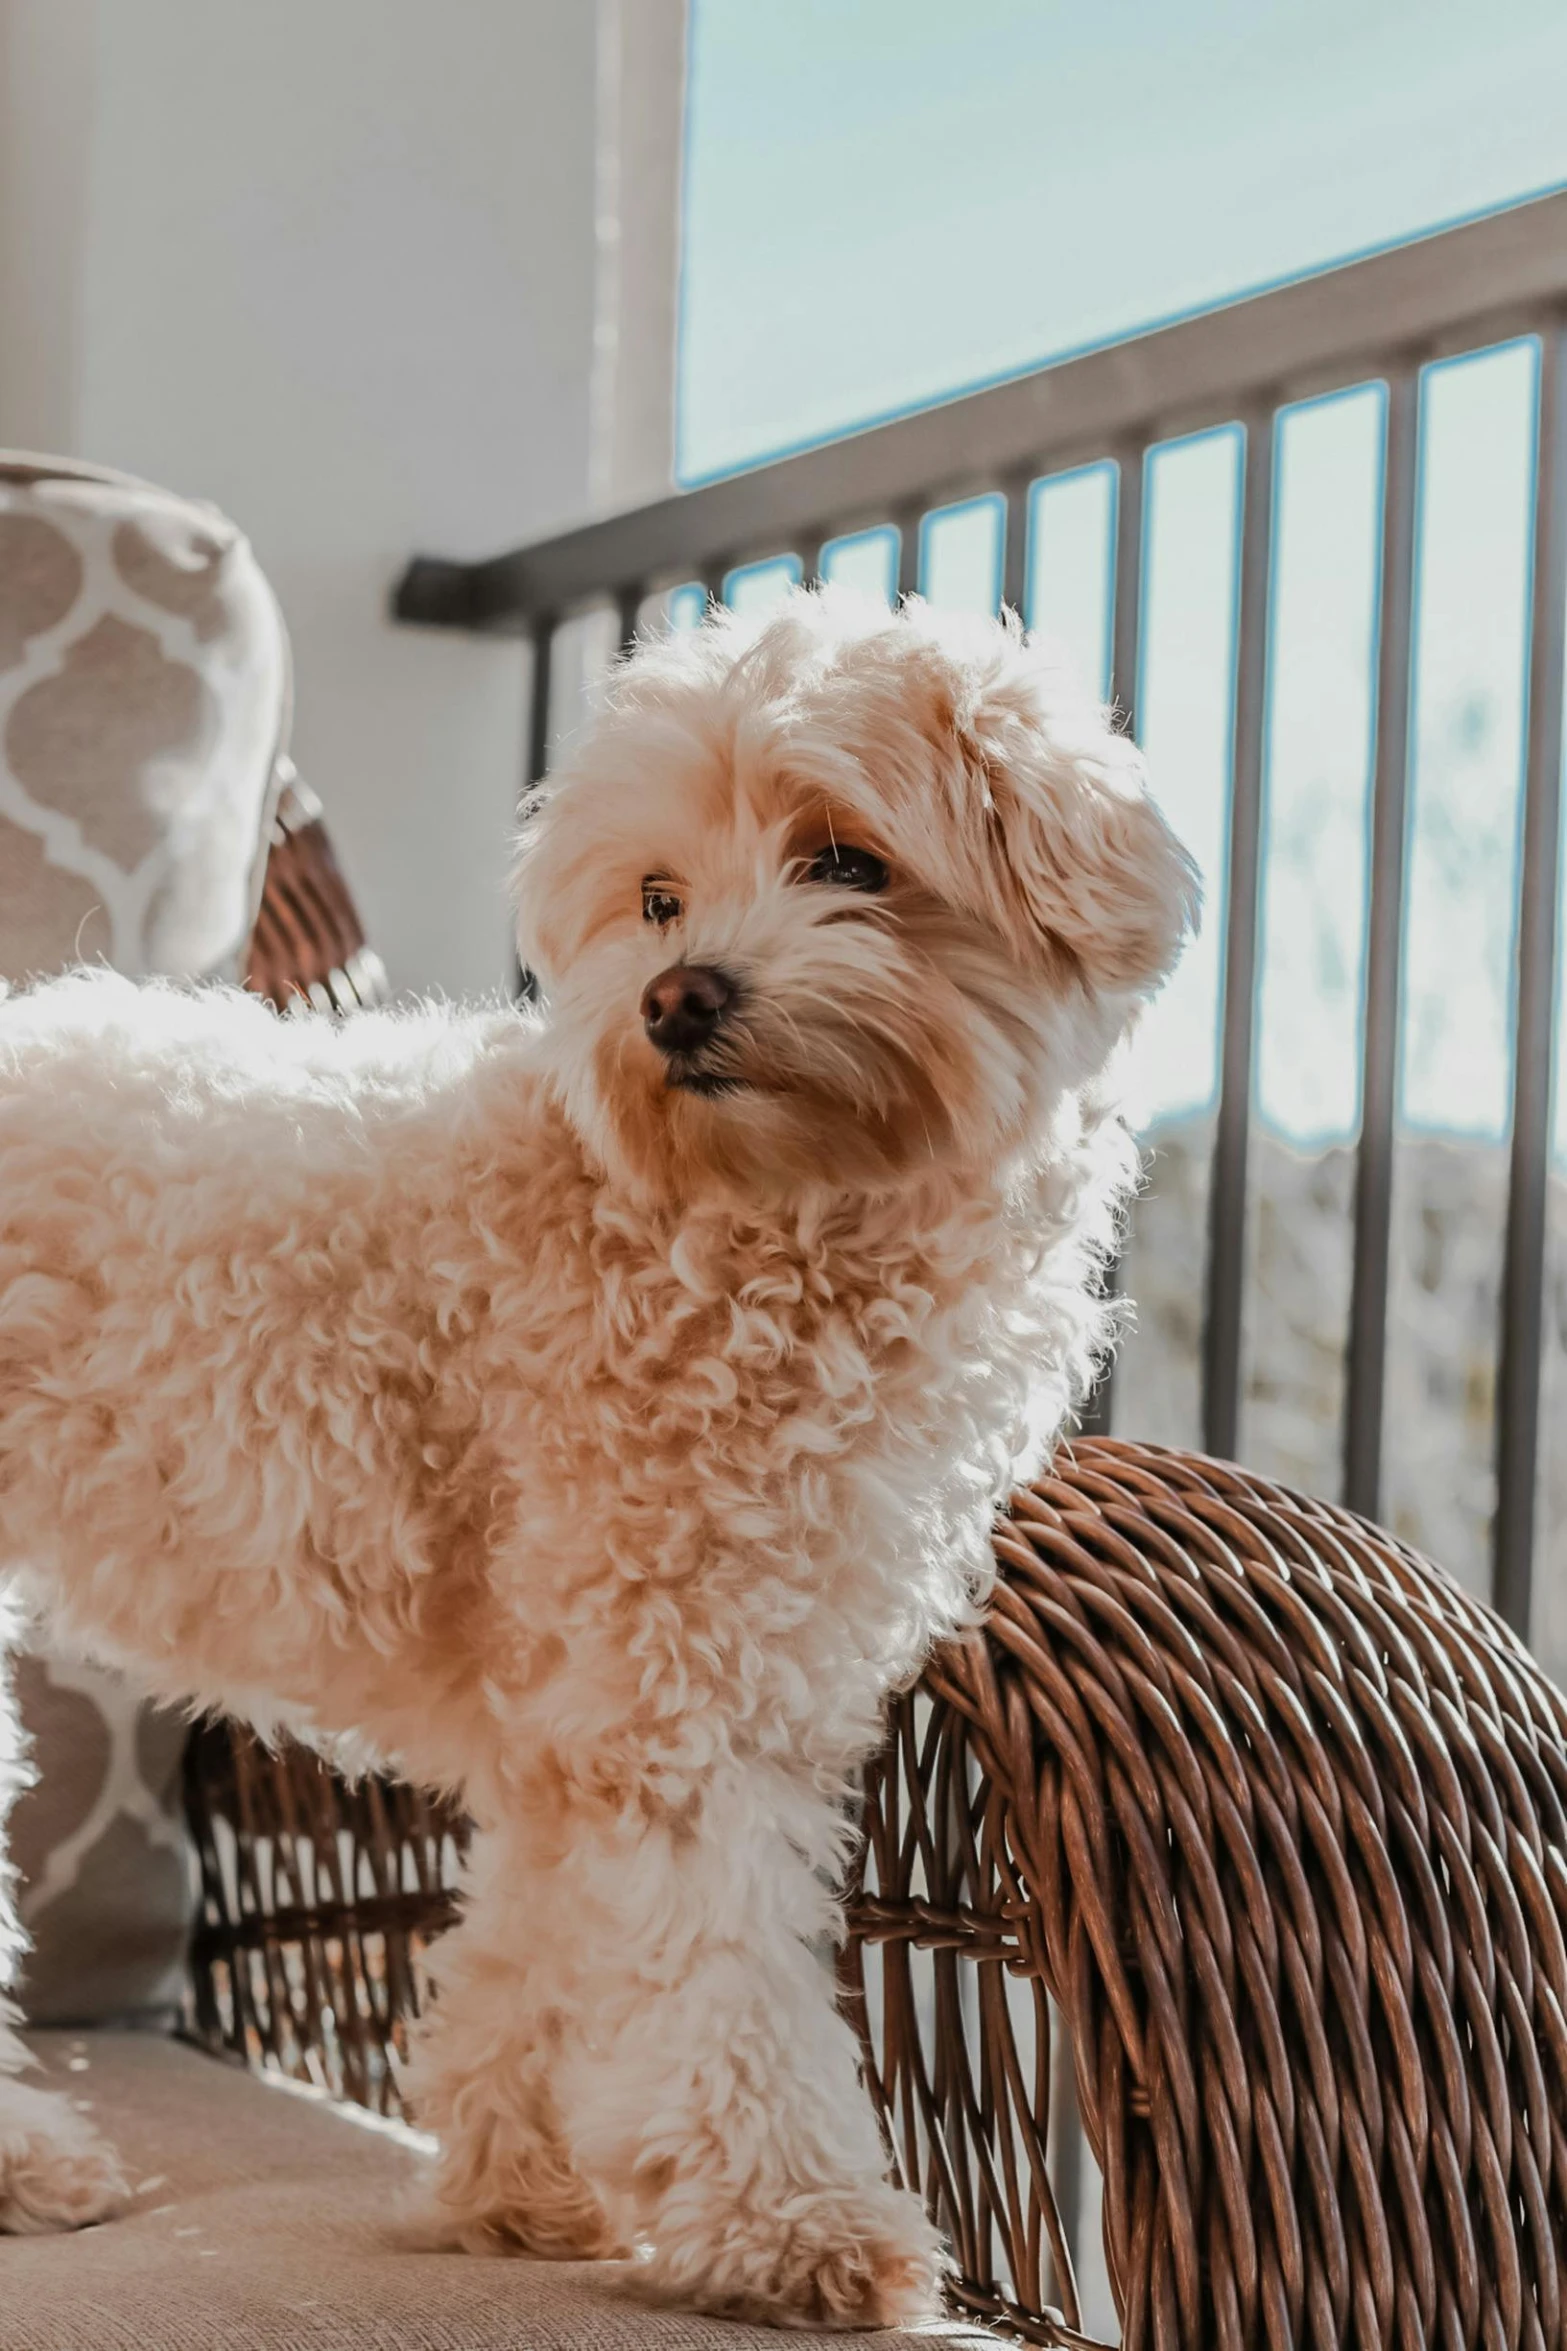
682, 1008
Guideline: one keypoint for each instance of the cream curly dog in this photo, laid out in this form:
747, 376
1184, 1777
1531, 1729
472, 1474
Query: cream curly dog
601, 1410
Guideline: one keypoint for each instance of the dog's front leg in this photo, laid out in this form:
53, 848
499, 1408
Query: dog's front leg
54, 2172
486, 2060
701, 2072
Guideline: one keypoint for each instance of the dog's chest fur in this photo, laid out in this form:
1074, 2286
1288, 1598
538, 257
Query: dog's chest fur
752, 1464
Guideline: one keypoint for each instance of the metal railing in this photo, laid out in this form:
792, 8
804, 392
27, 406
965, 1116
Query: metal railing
1382, 319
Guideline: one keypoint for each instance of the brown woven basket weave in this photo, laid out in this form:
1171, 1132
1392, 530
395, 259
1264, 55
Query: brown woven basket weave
319, 1896
307, 940
1274, 1814
1238, 1829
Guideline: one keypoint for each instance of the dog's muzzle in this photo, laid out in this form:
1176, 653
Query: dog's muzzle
683, 1012
684, 1008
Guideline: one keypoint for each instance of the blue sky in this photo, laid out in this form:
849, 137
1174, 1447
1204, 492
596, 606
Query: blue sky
888, 200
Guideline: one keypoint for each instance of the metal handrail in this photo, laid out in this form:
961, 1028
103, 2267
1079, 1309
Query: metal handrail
1386, 317
1456, 289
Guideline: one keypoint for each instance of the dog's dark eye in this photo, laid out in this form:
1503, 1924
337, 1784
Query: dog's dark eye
659, 903
851, 869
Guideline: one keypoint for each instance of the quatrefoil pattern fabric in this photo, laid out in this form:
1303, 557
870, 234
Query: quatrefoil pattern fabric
144, 692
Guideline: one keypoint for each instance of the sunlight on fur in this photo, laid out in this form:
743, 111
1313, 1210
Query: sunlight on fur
599, 1409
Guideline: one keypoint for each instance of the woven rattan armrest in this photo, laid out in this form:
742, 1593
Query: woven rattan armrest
1268, 1816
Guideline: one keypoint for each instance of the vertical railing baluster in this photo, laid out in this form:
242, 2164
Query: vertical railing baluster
1523, 1277
909, 520
1365, 1371
1014, 550
628, 603
1064, 2147
538, 752
1226, 1279
524, 986
1126, 621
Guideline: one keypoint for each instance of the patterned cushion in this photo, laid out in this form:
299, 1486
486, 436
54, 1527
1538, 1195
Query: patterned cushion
144, 696
144, 703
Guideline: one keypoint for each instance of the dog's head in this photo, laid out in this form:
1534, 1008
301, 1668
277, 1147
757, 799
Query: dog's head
840, 896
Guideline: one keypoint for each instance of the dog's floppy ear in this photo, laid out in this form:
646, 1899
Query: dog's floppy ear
1080, 855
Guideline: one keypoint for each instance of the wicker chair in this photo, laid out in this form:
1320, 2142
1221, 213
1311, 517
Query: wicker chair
1273, 1814
1239, 1829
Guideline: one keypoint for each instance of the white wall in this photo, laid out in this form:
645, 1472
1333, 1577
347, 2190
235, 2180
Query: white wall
641, 109
331, 264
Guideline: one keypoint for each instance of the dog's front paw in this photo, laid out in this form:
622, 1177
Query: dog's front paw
862, 2262
55, 2172
560, 2227
872, 2282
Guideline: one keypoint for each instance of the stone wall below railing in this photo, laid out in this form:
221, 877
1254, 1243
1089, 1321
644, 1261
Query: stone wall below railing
1449, 1209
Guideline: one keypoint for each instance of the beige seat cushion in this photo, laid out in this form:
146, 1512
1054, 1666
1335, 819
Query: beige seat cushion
262, 2222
